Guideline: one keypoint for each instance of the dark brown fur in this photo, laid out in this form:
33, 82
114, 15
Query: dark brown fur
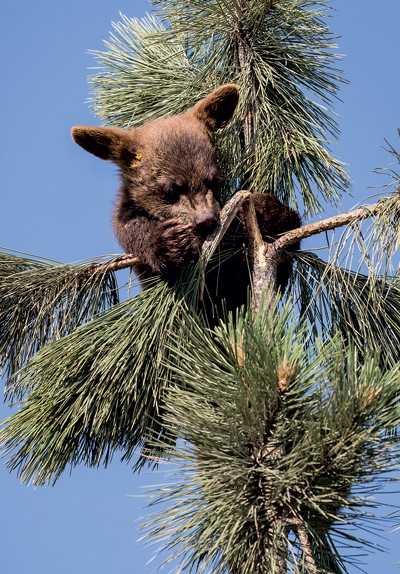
168, 201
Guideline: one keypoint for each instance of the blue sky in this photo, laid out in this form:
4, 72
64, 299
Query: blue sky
56, 201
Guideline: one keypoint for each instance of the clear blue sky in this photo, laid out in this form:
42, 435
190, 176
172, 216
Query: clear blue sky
56, 202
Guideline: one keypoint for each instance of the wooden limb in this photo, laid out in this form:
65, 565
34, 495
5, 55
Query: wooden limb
227, 215
301, 532
116, 264
363, 212
264, 259
211, 243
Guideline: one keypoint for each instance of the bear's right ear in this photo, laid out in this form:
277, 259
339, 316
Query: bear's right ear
105, 143
218, 107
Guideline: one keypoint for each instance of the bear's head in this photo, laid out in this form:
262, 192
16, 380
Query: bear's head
168, 166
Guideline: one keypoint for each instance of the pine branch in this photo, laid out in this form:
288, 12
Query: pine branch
97, 391
266, 466
42, 300
241, 39
363, 307
328, 224
302, 535
228, 213
115, 264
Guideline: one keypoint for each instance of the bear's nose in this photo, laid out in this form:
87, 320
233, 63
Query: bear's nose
205, 221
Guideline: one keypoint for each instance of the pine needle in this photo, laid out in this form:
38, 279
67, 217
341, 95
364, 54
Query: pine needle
255, 460
42, 300
98, 390
164, 64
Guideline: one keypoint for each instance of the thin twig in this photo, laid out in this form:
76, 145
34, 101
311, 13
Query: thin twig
115, 264
227, 215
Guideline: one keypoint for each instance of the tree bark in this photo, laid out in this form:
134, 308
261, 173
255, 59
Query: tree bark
264, 259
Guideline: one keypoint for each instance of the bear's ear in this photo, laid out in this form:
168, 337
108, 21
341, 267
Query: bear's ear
105, 143
218, 107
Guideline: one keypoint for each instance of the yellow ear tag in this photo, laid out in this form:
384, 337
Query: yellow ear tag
136, 161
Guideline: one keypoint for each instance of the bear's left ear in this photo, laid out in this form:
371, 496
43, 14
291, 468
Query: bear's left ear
218, 107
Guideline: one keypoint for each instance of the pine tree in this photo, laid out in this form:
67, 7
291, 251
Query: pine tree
281, 421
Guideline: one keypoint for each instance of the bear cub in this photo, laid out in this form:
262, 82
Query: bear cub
168, 200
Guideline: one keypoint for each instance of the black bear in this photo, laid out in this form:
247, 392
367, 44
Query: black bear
168, 200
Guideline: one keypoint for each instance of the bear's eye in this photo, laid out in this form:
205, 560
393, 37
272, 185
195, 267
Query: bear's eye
174, 191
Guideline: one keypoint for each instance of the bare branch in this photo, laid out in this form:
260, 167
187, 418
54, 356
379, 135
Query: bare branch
300, 529
264, 258
116, 264
227, 215
291, 237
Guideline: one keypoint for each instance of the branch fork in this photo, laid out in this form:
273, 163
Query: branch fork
264, 257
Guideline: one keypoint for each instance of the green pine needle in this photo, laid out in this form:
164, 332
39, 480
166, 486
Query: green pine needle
42, 300
155, 67
272, 432
96, 391
363, 307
